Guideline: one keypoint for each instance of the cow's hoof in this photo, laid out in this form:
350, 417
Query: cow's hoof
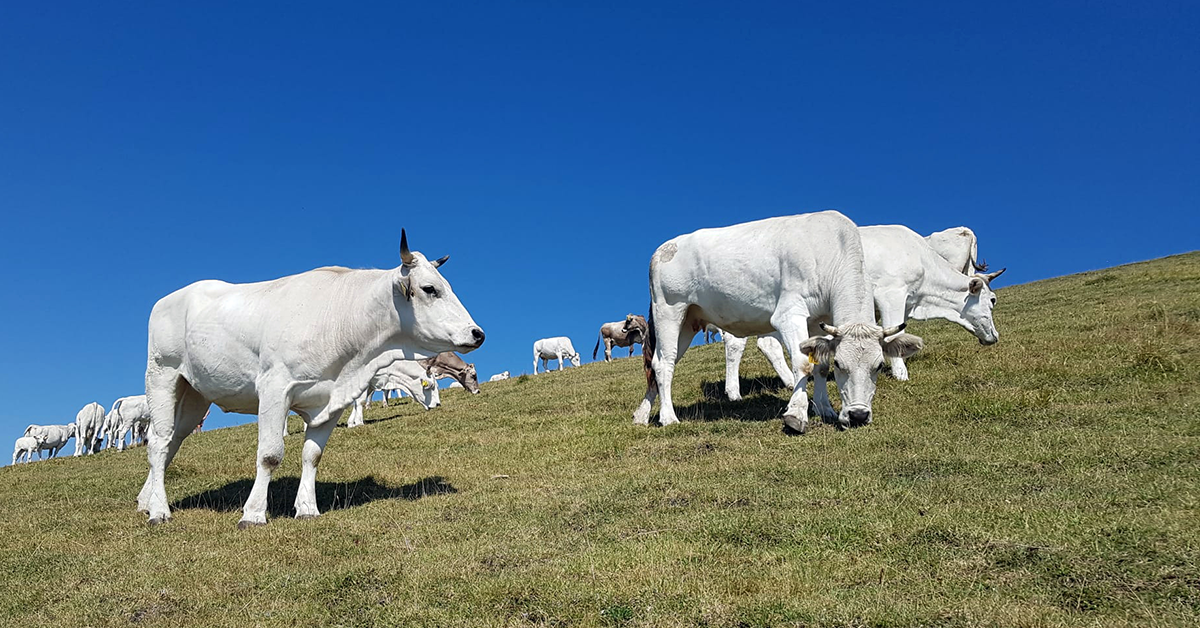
794, 425
307, 516
246, 524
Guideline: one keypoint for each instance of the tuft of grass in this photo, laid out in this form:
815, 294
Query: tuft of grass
1049, 480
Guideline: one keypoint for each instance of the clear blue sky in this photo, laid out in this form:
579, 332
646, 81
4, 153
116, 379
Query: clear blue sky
549, 149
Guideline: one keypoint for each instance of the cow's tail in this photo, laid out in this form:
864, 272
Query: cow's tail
648, 351
28, 430
599, 339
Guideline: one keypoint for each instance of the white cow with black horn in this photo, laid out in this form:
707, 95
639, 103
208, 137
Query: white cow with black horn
288, 344
786, 274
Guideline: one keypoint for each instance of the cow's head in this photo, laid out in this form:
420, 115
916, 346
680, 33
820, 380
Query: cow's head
428, 394
977, 309
856, 352
574, 357
470, 379
428, 308
635, 327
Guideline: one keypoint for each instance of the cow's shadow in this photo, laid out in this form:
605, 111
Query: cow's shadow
760, 401
330, 495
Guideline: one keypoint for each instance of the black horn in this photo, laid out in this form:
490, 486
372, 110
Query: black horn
441, 260
406, 256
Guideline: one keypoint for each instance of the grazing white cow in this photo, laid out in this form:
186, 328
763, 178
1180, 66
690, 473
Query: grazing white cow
288, 344
910, 280
958, 246
25, 447
782, 274
128, 416
407, 375
555, 348
88, 424
711, 332
52, 438
499, 377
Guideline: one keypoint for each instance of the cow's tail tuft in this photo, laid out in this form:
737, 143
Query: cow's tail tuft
599, 339
648, 350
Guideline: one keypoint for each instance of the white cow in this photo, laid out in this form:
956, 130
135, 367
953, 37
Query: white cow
958, 246
784, 274
499, 377
128, 416
288, 344
555, 348
25, 447
910, 280
52, 438
405, 375
88, 424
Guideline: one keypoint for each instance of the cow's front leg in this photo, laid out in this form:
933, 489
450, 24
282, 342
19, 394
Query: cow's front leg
314, 444
795, 417
824, 406
272, 421
891, 313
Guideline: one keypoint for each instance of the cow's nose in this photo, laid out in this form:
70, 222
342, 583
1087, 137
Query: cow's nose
477, 334
859, 416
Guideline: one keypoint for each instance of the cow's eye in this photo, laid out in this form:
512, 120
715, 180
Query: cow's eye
430, 290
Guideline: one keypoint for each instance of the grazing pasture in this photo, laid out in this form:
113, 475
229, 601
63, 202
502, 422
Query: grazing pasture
1050, 480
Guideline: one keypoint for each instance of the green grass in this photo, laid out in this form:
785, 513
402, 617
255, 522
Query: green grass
1050, 480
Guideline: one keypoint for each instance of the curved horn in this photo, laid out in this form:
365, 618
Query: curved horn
406, 256
991, 276
441, 260
892, 331
829, 329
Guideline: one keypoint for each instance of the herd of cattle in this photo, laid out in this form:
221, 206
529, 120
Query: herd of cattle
810, 284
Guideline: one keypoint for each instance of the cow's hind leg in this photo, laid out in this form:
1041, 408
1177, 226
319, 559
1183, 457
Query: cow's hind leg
315, 438
734, 348
175, 410
667, 323
272, 421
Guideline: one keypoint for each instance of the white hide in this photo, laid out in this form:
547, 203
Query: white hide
25, 447
129, 416
53, 438
780, 274
288, 344
958, 246
405, 375
499, 377
88, 424
555, 348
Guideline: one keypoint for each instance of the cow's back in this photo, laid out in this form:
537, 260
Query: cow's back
738, 274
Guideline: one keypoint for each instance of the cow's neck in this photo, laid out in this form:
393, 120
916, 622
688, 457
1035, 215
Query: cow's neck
942, 294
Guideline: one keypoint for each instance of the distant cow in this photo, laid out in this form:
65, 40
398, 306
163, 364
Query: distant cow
309, 343
793, 275
448, 364
624, 333
499, 377
52, 438
406, 375
711, 332
25, 447
556, 348
88, 424
128, 416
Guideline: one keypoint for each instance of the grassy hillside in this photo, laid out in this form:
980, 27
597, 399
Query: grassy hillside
1049, 480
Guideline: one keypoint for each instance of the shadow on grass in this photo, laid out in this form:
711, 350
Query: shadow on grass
330, 495
758, 403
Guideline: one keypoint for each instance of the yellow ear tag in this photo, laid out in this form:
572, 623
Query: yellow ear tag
812, 359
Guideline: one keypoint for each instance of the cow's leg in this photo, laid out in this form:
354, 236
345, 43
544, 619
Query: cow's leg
667, 327
793, 330
315, 438
772, 349
891, 312
272, 421
824, 407
734, 348
664, 371
608, 346
175, 410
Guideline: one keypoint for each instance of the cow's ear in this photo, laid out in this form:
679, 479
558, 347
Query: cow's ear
819, 349
404, 287
976, 284
902, 346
